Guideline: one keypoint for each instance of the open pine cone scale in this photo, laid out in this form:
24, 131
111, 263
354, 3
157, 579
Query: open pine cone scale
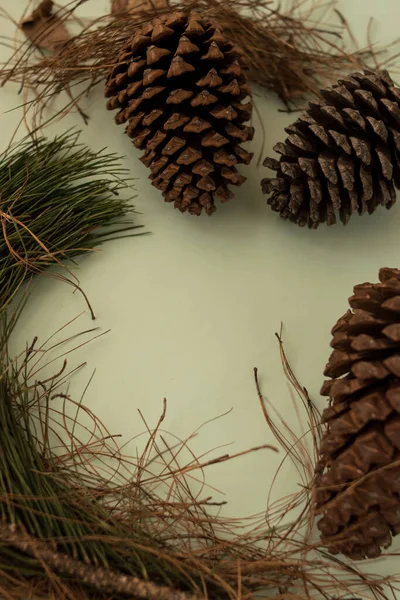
341, 155
358, 482
180, 86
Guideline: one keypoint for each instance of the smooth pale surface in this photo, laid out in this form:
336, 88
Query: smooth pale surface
194, 306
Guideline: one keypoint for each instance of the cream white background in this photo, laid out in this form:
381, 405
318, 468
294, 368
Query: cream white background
194, 306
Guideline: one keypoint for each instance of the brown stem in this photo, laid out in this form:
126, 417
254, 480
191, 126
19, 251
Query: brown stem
104, 580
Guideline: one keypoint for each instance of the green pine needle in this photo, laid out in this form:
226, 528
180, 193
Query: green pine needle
57, 200
64, 503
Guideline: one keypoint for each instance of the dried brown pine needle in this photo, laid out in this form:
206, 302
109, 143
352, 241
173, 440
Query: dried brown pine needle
81, 519
289, 51
138, 7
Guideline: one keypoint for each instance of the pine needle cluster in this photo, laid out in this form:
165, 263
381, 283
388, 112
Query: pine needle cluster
59, 199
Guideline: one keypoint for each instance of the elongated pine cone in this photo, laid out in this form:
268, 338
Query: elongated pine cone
180, 86
342, 154
358, 480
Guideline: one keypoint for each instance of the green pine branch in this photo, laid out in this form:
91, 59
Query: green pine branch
58, 199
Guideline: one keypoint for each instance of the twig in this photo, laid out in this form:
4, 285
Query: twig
103, 580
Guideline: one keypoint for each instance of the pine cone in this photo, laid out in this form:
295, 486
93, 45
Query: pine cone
358, 482
180, 84
342, 154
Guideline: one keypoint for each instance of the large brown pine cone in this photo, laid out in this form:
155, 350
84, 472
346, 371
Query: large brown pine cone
180, 85
342, 154
358, 482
